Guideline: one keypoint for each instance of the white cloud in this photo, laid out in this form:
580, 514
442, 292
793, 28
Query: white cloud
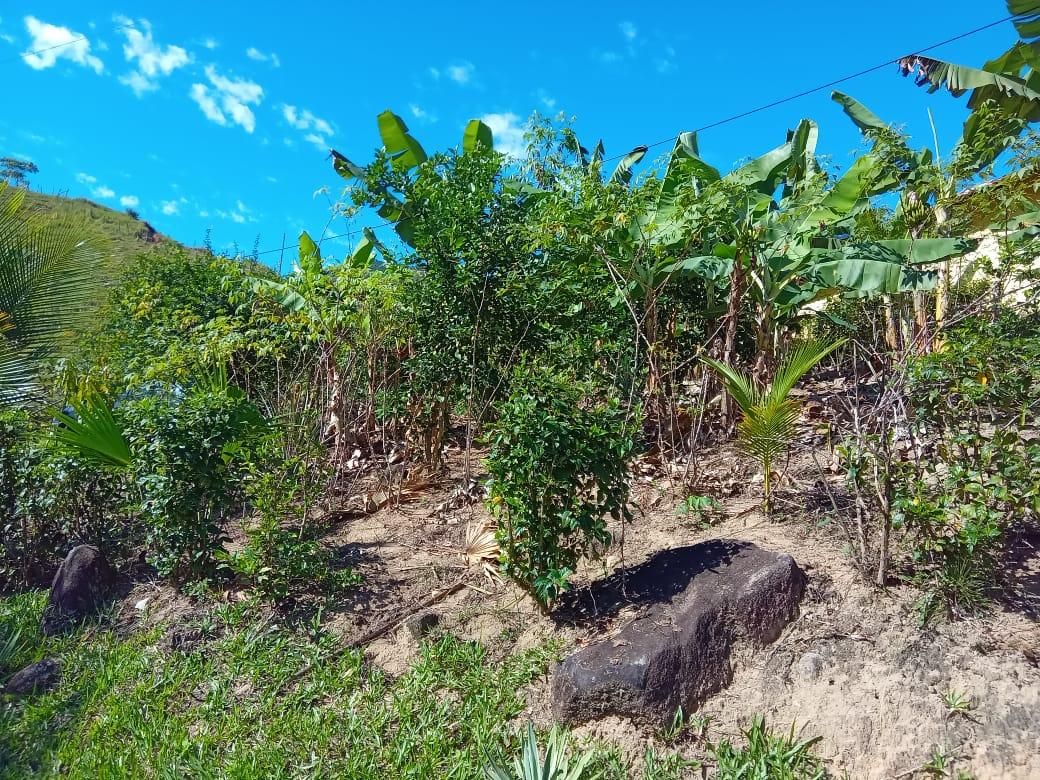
666, 63
508, 133
629, 30
86, 178
103, 192
435, 73
51, 43
129, 202
462, 73
258, 56
210, 43
228, 97
316, 130
546, 99
239, 215
422, 114
7, 38
152, 60
170, 208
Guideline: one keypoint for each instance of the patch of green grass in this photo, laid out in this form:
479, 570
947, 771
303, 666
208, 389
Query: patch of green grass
257, 701
766, 755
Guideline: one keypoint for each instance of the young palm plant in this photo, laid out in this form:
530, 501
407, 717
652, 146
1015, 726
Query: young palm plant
769, 414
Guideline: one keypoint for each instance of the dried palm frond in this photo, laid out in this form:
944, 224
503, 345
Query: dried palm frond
482, 549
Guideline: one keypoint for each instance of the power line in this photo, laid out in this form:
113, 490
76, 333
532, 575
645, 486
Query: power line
833, 83
670, 139
733, 118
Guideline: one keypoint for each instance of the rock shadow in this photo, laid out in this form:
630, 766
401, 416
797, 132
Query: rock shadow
659, 579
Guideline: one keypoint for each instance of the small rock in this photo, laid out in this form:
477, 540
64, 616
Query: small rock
39, 677
809, 666
79, 589
182, 639
422, 624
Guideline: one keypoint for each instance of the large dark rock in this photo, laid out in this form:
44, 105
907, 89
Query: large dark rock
39, 677
79, 589
703, 600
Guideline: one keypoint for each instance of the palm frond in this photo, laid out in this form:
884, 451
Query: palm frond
802, 360
741, 387
482, 549
766, 430
52, 276
94, 433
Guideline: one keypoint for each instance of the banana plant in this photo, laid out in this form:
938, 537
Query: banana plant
768, 413
406, 154
310, 291
780, 240
1004, 92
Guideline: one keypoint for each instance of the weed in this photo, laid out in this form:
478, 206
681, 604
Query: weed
767, 756
957, 703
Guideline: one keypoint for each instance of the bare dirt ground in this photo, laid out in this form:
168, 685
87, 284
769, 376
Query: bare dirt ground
854, 668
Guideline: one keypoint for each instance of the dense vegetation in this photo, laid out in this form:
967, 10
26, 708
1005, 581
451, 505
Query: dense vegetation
557, 315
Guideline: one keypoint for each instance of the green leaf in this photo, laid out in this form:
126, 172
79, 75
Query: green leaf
346, 168
866, 270
623, 173
765, 173
862, 117
959, 79
923, 251
477, 135
1027, 18
405, 150
94, 433
310, 255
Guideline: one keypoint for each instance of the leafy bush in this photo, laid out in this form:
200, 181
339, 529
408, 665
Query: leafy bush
972, 400
559, 452
51, 500
188, 457
279, 562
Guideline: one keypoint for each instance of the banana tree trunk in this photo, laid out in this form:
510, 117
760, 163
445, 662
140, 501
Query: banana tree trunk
892, 329
333, 432
729, 345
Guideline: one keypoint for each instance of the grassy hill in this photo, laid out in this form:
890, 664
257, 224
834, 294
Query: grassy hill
128, 236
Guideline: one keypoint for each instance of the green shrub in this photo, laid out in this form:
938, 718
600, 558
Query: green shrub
52, 500
189, 452
282, 563
559, 452
972, 401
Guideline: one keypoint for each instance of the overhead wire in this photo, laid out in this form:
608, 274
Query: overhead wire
735, 117
670, 139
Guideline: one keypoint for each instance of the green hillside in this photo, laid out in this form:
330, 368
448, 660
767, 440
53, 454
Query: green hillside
127, 236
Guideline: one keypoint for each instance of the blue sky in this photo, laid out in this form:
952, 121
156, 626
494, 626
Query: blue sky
218, 115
